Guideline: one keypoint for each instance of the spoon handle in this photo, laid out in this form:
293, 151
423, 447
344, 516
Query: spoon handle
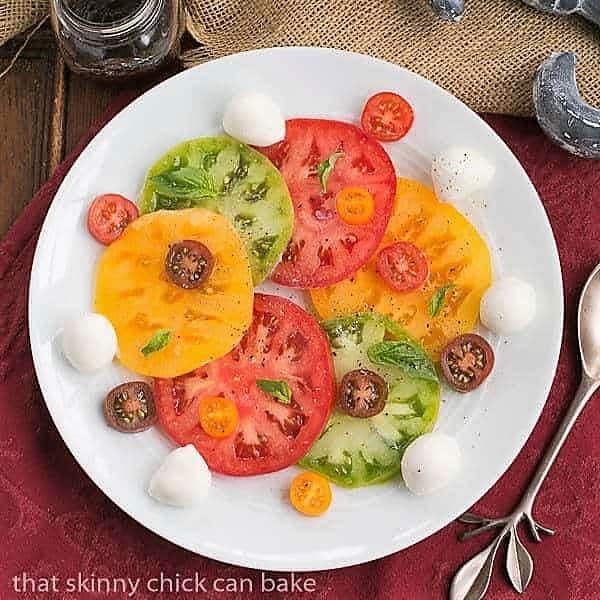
586, 388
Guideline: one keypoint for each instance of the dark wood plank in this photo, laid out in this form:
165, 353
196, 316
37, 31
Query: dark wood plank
25, 111
87, 99
85, 102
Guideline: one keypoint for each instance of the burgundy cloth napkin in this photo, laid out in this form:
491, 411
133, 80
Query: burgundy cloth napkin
55, 523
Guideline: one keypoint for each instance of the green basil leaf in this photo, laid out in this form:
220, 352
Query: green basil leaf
406, 355
438, 298
157, 342
185, 182
280, 390
325, 168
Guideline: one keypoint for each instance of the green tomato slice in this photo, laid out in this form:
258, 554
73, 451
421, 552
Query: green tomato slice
355, 452
228, 177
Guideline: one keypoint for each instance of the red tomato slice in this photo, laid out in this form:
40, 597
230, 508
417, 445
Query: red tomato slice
324, 249
109, 215
403, 266
284, 343
387, 117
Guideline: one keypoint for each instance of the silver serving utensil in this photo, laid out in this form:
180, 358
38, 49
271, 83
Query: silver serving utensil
473, 578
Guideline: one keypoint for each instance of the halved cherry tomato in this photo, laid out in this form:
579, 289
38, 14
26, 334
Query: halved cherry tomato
403, 266
109, 215
189, 264
310, 494
218, 417
355, 206
467, 361
387, 117
130, 407
362, 393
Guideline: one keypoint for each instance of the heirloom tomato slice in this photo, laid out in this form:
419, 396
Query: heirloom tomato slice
321, 160
285, 346
135, 293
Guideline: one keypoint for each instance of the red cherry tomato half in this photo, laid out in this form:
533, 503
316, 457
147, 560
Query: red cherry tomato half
403, 266
387, 117
108, 216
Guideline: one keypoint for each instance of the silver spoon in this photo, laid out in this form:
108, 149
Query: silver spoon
473, 578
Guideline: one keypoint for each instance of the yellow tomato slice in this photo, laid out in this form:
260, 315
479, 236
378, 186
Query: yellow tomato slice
218, 417
135, 294
456, 254
310, 494
355, 205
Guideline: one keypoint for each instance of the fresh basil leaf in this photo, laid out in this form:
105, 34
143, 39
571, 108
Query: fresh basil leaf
185, 182
157, 342
325, 168
280, 390
438, 298
405, 355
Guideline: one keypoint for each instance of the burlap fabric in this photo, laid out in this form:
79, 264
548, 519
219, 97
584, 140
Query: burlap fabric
487, 60
18, 15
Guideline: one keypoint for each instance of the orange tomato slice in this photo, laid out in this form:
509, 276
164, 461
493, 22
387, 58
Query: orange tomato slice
310, 494
218, 417
456, 254
134, 292
355, 205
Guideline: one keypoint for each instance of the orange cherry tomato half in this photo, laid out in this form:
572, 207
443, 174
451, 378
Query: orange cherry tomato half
387, 117
403, 266
218, 417
109, 215
355, 206
310, 494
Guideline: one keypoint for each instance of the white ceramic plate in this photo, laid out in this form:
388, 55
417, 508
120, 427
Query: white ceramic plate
248, 521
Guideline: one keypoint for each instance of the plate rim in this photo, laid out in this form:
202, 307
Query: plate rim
389, 547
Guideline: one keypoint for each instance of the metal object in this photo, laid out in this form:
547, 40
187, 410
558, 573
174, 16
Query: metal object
448, 10
566, 119
590, 9
473, 578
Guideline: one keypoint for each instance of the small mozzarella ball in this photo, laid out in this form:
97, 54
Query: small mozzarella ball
255, 119
458, 172
430, 463
182, 480
508, 306
89, 342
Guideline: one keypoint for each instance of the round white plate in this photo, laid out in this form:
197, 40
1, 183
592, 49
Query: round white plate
248, 521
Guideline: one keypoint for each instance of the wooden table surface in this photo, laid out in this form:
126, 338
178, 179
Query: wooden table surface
44, 109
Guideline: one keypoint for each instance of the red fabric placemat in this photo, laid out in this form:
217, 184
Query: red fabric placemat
55, 523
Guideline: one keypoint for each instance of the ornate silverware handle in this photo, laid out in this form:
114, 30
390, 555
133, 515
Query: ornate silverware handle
473, 578
585, 391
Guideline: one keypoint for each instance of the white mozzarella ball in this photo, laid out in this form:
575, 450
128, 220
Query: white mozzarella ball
431, 463
182, 480
508, 306
89, 342
458, 172
255, 119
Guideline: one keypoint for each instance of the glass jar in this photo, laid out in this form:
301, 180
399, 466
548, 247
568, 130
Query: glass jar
116, 39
